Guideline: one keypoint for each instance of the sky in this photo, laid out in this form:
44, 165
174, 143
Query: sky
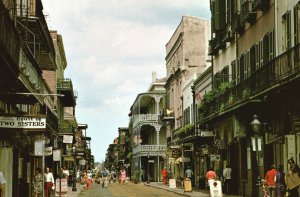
112, 47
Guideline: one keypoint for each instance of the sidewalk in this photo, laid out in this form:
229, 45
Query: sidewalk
179, 190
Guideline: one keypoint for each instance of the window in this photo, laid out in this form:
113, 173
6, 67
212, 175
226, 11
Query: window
296, 23
258, 54
247, 64
241, 67
233, 72
286, 24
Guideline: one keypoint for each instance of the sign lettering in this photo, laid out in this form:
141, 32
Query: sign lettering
22, 122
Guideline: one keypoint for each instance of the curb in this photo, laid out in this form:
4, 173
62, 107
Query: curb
174, 191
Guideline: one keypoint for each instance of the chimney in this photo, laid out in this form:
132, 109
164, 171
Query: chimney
154, 76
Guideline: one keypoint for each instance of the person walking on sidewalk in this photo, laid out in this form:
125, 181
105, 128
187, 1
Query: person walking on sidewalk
164, 174
271, 180
49, 181
227, 179
189, 173
123, 175
38, 182
210, 176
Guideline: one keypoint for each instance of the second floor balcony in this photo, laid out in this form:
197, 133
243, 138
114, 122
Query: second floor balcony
144, 118
283, 69
151, 150
65, 87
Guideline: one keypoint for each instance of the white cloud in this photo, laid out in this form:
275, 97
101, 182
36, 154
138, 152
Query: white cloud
112, 47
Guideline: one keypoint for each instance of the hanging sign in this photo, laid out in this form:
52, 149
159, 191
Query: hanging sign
39, 148
56, 155
68, 139
22, 122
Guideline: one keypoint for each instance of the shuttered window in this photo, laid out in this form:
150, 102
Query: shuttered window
286, 20
296, 23
233, 72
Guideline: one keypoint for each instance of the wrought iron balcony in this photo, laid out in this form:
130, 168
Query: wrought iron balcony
144, 118
10, 43
260, 4
151, 149
34, 32
282, 69
247, 12
65, 87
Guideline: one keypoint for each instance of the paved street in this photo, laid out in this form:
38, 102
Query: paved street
124, 190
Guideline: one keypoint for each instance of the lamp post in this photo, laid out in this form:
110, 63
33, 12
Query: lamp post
75, 170
255, 124
148, 180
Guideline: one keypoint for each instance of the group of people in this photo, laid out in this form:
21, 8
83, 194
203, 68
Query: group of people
105, 177
279, 184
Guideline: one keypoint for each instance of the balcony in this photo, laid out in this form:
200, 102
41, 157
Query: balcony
281, 70
247, 12
9, 47
65, 87
35, 33
144, 118
260, 4
153, 150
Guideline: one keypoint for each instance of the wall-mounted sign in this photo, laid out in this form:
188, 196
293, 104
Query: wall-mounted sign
48, 151
207, 133
68, 139
22, 122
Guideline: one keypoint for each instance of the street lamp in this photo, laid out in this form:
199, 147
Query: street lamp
255, 124
75, 170
148, 180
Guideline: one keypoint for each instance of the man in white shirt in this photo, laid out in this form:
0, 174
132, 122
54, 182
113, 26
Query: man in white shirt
49, 182
2, 185
227, 179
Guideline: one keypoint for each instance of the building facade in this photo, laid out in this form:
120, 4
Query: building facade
255, 51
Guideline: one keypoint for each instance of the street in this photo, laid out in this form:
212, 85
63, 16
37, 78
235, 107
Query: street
123, 190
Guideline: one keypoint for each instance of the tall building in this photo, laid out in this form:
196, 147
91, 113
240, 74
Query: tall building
186, 55
255, 50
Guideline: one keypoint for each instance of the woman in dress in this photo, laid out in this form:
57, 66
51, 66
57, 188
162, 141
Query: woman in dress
123, 175
38, 183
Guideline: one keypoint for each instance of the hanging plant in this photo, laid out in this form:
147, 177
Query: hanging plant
21, 141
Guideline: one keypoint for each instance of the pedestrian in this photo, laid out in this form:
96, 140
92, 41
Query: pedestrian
164, 174
292, 178
271, 180
189, 173
210, 176
49, 181
104, 174
280, 184
84, 180
89, 179
66, 173
38, 182
78, 176
227, 179
2, 185
123, 175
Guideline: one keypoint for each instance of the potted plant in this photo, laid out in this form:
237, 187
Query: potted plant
136, 176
